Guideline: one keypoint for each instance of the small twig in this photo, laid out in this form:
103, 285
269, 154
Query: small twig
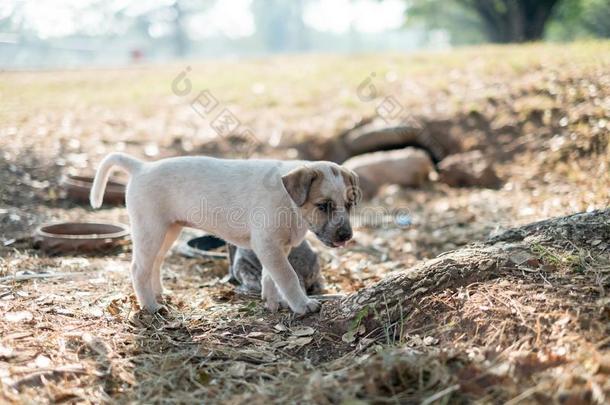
5, 294
545, 279
44, 372
525, 394
327, 297
440, 394
24, 277
602, 342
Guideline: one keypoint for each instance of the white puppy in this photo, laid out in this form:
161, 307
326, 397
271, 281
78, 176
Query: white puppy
263, 205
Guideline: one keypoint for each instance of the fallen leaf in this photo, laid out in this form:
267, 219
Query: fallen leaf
6, 352
127, 377
42, 361
304, 331
113, 308
278, 344
95, 344
519, 257
238, 369
64, 311
66, 396
19, 316
348, 337
299, 342
203, 378
96, 312
17, 335
430, 340
280, 327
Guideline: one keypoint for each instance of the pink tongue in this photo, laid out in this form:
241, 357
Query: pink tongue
339, 244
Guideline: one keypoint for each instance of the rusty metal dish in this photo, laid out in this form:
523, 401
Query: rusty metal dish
78, 189
208, 246
80, 237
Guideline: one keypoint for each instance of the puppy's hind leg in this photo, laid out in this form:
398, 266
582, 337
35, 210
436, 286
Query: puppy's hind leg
147, 241
173, 231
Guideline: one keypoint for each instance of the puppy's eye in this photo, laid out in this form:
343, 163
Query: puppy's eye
325, 206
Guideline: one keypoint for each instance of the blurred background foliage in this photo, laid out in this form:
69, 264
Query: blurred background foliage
500, 21
64, 33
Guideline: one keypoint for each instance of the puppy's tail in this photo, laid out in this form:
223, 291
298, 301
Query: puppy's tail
124, 161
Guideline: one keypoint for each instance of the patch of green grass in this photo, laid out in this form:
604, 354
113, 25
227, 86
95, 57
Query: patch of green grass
559, 259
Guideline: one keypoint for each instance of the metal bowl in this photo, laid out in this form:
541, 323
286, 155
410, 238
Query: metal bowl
78, 189
79, 237
203, 246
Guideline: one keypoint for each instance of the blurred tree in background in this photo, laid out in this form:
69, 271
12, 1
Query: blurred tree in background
280, 24
596, 17
504, 21
512, 20
463, 24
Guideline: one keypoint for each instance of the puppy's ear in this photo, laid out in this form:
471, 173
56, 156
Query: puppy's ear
352, 182
354, 179
298, 182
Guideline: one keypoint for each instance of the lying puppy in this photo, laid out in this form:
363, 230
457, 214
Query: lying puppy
263, 205
246, 270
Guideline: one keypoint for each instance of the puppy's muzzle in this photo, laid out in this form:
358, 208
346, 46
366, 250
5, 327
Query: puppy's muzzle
342, 235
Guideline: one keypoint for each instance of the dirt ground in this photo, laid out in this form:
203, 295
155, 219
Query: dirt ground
540, 335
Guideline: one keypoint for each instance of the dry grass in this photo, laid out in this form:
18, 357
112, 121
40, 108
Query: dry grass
537, 335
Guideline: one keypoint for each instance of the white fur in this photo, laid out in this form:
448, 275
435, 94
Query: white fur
221, 197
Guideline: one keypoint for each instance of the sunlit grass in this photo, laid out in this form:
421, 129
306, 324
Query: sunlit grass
286, 80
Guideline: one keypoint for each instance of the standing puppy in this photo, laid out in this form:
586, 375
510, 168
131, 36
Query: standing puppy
263, 205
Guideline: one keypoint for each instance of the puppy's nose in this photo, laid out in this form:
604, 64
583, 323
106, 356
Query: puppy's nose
344, 234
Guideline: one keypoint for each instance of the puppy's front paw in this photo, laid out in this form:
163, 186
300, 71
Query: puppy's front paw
272, 305
152, 307
271, 298
313, 305
309, 306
